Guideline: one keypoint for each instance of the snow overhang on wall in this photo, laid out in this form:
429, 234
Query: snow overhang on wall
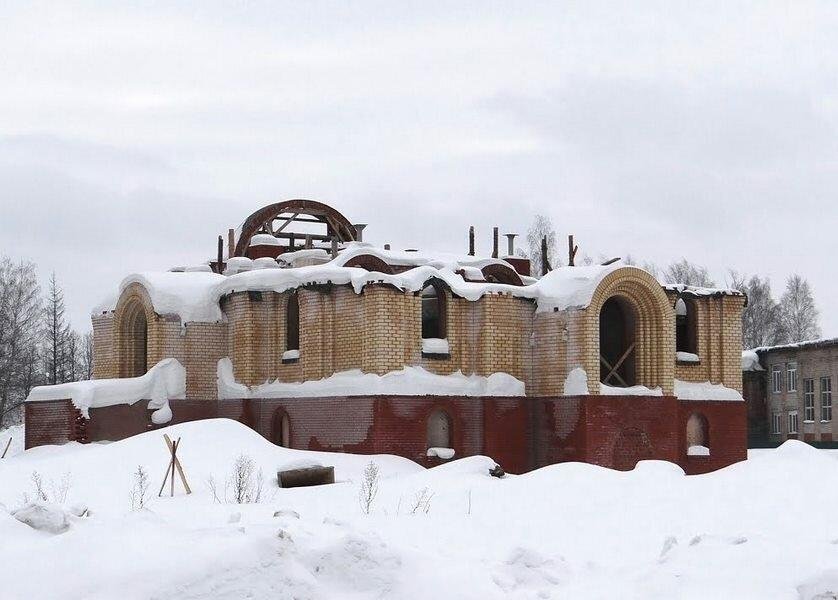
195, 296
163, 382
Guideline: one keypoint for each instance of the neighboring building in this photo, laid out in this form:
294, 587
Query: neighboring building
790, 389
321, 341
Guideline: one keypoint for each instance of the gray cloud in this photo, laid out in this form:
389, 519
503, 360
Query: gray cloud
130, 137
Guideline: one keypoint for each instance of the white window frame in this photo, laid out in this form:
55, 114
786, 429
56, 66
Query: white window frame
776, 379
826, 399
791, 377
793, 422
809, 401
776, 421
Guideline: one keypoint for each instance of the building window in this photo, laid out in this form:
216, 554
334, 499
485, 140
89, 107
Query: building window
793, 422
685, 326
809, 400
826, 398
439, 430
433, 313
791, 377
777, 379
775, 423
292, 323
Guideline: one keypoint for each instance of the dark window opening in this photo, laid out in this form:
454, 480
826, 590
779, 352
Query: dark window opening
292, 323
685, 326
617, 343
433, 313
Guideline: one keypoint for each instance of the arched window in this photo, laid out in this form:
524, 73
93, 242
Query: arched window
292, 323
617, 343
433, 312
135, 341
439, 430
685, 324
282, 429
698, 435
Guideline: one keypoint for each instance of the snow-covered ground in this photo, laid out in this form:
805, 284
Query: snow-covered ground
759, 529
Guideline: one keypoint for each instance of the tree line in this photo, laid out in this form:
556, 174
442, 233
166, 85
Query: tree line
766, 321
37, 344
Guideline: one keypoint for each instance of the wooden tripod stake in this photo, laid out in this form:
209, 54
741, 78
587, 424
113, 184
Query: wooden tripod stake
174, 464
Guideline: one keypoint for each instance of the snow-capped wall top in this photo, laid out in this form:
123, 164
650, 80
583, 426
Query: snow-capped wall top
691, 290
164, 381
819, 343
750, 361
196, 296
571, 287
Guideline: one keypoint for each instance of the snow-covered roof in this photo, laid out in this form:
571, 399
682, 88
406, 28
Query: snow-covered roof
696, 291
750, 361
819, 343
196, 296
164, 381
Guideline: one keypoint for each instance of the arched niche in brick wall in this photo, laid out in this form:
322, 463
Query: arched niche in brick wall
439, 426
281, 428
134, 320
649, 321
698, 431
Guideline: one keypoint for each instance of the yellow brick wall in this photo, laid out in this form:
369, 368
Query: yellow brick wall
719, 341
379, 331
105, 357
654, 329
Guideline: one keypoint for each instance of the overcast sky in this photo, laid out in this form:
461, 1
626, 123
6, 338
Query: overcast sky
131, 137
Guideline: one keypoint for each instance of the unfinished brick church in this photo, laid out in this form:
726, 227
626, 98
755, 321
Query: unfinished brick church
319, 340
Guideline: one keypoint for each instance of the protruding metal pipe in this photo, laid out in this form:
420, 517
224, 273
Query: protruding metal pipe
494, 242
359, 231
471, 240
231, 243
219, 266
510, 243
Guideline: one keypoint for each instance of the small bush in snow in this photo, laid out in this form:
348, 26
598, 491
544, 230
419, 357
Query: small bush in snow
243, 485
369, 487
422, 501
57, 493
140, 489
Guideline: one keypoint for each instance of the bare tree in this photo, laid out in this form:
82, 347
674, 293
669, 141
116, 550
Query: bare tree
541, 228
20, 335
86, 358
57, 333
762, 323
799, 314
688, 273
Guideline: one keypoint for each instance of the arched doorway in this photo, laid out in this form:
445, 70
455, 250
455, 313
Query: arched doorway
281, 434
135, 341
617, 321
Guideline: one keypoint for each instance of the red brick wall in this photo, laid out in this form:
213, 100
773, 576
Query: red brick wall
728, 434
49, 422
520, 433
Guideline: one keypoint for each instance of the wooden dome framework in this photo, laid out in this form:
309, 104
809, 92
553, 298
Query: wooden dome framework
276, 220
